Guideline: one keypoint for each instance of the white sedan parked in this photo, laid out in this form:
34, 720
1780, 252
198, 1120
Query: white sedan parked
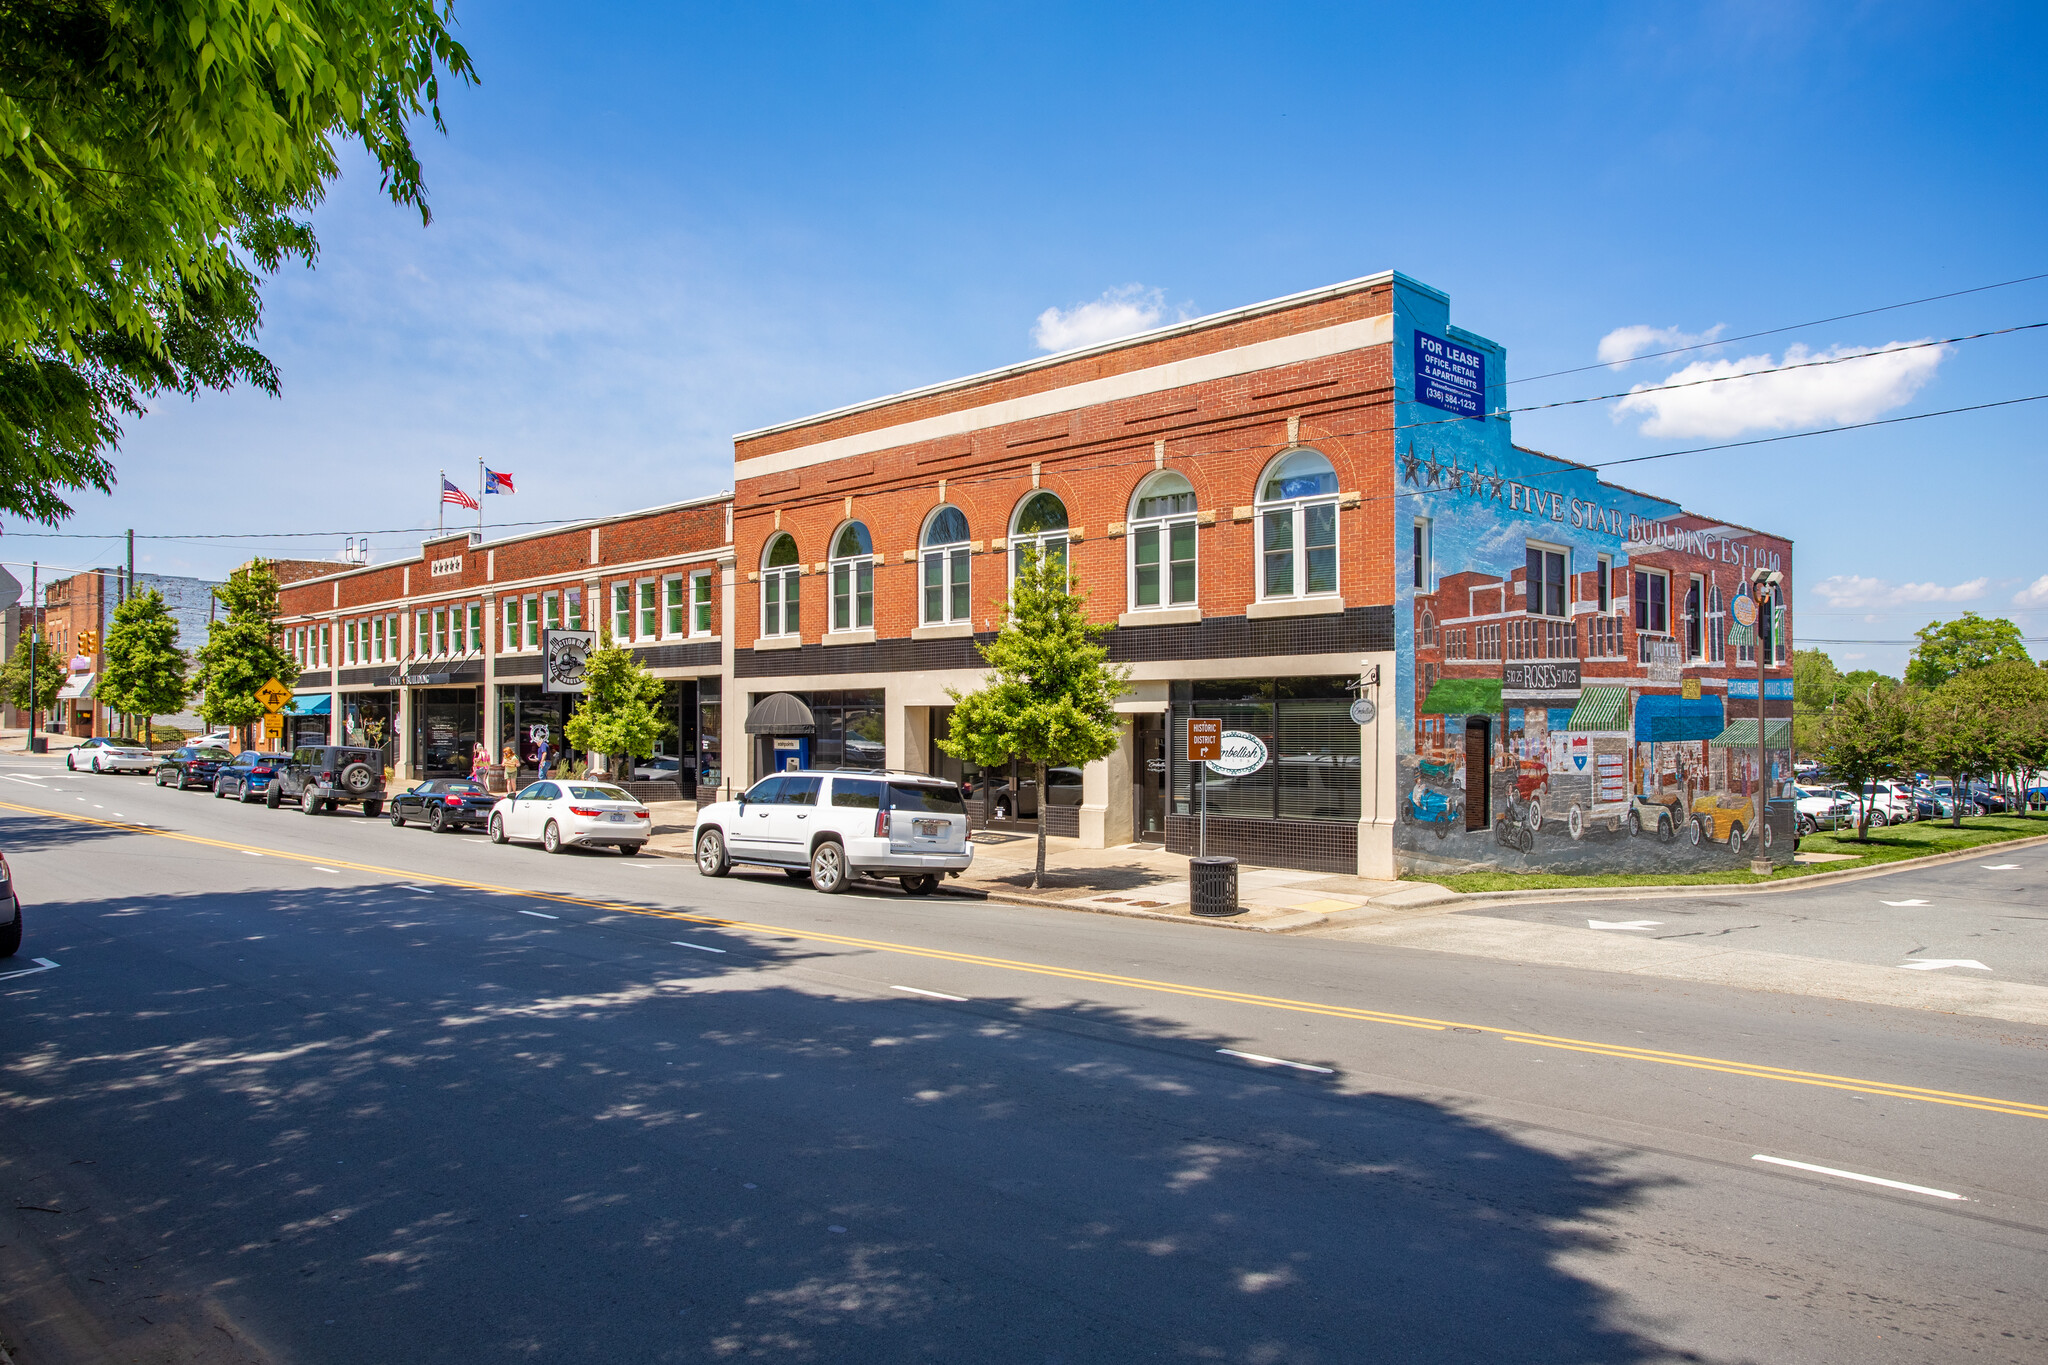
104, 755
560, 813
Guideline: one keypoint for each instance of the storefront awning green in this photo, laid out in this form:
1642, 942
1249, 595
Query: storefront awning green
1741, 734
1602, 706
1463, 697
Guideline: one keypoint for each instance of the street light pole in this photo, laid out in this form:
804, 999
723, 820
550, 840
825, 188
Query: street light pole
1766, 582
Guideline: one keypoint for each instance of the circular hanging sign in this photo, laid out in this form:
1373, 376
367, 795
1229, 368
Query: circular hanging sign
1743, 609
1242, 753
1362, 712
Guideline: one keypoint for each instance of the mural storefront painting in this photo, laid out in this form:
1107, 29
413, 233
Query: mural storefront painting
1580, 689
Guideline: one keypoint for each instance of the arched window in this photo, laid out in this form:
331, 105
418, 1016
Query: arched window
780, 573
1041, 525
1297, 511
1428, 629
853, 578
945, 551
1162, 536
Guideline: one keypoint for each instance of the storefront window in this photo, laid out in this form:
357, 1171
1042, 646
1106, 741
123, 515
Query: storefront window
1297, 516
1162, 536
946, 568
525, 710
1312, 769
853, 578
710, 767
366, 719
445, 730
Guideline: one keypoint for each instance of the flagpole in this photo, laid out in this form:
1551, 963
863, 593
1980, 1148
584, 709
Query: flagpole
479, 498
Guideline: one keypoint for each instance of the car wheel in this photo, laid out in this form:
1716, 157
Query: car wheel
1764, 833
1735, 832
1442, 827
711, 859
828, 867
1806, 824
10, 937
437, 820
1697, 828
1575, 821
71, 762
1535, 816
629, 850
219, 790
397, 820
245, 796
310, 804
497, 828
1878, 819
1635, 824
372, 809
922, 885
273, 797
551, 839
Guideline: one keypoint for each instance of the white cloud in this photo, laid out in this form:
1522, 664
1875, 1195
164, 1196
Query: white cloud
1850, 391
1118, 313
1624, 344
2035, 594
1850, 592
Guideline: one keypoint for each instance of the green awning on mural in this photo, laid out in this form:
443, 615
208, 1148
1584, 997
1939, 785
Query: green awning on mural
1741, 734
1602, 706
1463, 697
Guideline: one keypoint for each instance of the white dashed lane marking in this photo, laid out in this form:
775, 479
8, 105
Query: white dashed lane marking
1852, 1175
1275, 1061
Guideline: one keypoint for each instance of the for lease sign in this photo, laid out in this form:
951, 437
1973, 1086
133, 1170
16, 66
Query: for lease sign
1449, 376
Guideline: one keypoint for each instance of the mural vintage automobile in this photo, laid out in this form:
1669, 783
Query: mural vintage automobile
1725, 818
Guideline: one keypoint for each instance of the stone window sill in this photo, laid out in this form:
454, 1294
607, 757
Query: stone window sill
1160, 616
779, 642
1295, 606
848, 637
948, 630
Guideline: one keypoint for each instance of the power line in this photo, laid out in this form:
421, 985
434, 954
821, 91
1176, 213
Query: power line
1774, 331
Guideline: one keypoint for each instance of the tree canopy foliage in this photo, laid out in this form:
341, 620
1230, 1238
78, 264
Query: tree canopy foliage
1947, 648
49, 674
157, 158
621, 713
144, 673
242, 651
1050, 698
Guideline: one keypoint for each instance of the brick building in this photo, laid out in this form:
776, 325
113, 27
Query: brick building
438, 656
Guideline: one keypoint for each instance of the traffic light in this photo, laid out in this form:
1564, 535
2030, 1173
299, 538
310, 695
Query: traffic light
88, 642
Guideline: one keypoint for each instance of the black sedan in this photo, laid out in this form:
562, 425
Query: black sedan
191, 766
248, 777
444, 803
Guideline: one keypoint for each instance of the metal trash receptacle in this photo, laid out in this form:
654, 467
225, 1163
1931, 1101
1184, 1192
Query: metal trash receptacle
1212, 886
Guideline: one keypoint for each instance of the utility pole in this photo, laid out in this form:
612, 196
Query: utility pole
35, 570
128, 723
1766, 582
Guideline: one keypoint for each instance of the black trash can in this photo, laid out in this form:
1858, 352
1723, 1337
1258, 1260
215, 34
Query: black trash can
1212, 886
39, 744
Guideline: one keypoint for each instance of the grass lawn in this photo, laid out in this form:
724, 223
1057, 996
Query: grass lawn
1894, 843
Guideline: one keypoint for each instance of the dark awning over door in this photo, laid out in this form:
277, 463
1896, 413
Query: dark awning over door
780, 714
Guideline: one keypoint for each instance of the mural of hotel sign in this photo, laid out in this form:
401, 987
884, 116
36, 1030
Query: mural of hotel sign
1664, 661
445, 568
1544, 680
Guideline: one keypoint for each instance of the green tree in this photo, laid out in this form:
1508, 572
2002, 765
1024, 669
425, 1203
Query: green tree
1863, 679
242, 652
158, 158
2004, 706
1947, 648
622, 712
1051, 696
144, 674
49, 675
1816, 686
1870, 736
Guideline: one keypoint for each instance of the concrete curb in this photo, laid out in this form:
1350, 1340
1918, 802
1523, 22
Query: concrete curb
1625, 893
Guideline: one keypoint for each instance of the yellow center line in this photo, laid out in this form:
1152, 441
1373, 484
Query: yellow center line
1618, 1051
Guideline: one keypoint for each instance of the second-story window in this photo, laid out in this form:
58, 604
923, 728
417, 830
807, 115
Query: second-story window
348, 652
510, 639
672, 607
423, 635
622, 611
1040, 528
533, 622
575, 615
1297, 518
853, 578
1544, 579
650, 610
1717, 625
458, 628
551, 610
1653, 602
780, 573
700, 603
377, 640
944, 570
1162, 536
1696, 618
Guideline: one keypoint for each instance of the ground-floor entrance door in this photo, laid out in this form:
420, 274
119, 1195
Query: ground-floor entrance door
1148, 776
1478, 772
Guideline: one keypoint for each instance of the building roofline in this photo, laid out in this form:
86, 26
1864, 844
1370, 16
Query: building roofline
1204, 323
1683, 510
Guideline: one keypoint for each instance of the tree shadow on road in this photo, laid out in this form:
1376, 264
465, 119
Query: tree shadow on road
444, 1131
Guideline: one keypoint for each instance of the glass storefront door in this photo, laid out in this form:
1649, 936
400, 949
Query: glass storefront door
445, 730
1148, 775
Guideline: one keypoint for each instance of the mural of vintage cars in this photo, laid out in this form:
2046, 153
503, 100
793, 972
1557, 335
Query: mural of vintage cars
1441, 810
1725, 818
1658, 815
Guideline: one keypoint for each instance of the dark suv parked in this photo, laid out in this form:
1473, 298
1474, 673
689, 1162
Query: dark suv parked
322, 776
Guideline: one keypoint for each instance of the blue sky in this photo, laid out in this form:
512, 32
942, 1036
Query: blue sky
659, 225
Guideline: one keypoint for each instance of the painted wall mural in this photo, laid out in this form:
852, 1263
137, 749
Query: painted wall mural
1578, 688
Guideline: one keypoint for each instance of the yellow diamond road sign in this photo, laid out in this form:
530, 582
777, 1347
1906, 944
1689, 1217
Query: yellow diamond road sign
273, 695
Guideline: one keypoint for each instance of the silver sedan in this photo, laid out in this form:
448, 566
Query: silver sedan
105, 755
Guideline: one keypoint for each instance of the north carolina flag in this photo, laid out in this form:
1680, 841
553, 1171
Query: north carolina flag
494, 482
450, 493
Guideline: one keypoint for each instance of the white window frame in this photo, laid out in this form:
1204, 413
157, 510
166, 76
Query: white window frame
572, 606
646, 609
701, 615
1298, 512
348, 642
1697, 583
1160, 530
951, 563
508, 638
531, 637
1564, 553
621, 595
476, 627
675, 607
785, 582
458, 629
1044, 542
551, 611
1642, 629
850, 583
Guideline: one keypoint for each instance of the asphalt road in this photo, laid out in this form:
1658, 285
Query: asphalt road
316, 1089
1991, 910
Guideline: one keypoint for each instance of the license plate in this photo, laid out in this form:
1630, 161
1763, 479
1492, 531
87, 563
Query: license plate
931, 829
614, 818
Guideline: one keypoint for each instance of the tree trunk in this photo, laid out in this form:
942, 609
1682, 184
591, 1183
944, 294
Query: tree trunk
1955, 801
1039, 875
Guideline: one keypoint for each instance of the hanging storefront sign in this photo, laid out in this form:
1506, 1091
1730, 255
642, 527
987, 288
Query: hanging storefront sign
1449, 376
565, 652
1243, 754
1362, 712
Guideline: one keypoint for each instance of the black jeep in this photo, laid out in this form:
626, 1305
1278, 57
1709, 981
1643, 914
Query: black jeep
322, 776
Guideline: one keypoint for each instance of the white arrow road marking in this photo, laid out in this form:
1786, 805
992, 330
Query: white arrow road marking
43, 964
1275, 1061
1623, 924
1851, 1175
2000, 867
936, 995
1935, 964
1903, 904
11, 777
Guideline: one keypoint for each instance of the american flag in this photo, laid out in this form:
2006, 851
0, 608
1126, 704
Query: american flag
450, 493
494, 482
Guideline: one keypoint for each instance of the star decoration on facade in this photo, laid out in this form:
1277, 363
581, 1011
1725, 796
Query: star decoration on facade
1433, 469
1458, 476
1495, 483
1411, 466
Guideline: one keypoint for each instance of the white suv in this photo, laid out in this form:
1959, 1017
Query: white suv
834, 826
